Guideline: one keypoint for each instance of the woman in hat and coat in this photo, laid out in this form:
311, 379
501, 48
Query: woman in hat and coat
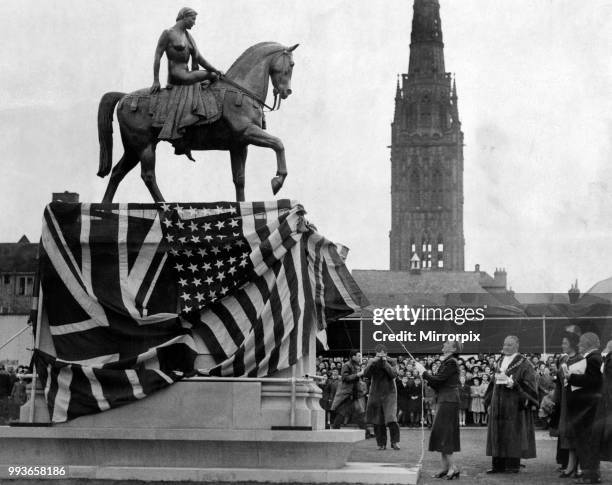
566, 445
445, 430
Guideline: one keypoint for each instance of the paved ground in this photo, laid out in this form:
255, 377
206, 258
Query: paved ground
472, 459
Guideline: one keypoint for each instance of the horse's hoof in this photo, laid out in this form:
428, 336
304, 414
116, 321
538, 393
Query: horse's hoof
277, 183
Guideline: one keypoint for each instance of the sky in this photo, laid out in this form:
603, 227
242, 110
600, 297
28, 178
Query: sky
533, 78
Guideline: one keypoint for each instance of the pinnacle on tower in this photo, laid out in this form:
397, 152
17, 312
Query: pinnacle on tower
454, 104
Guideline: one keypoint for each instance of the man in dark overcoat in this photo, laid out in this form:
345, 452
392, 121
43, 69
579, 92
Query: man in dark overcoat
5, 392
346, 397
381, 410
585, 382
510, 396
602, 428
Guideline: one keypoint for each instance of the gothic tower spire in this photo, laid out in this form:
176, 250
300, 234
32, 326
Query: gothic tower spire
427, 154
426, 47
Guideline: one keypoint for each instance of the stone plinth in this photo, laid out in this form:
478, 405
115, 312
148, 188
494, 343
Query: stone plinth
201, 430
210, 403
176, 448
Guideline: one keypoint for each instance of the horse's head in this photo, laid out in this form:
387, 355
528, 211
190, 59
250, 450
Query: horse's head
281, 69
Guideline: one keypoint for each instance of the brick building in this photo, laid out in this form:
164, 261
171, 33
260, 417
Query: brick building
18, 266
18, 263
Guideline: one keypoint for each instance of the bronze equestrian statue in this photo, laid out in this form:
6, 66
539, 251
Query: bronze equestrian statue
225, 115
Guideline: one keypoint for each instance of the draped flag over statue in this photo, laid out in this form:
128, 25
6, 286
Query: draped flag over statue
133, 293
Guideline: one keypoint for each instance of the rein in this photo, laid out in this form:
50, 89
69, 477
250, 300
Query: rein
249, 93
253, 95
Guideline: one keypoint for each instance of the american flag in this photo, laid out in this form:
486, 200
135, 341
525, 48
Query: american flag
134, 293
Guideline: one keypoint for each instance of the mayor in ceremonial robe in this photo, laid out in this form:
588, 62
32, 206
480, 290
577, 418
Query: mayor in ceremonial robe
510, 396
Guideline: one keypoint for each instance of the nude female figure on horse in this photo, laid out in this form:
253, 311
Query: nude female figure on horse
178, 45
241, 94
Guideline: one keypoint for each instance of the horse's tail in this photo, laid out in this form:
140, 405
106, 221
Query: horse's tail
105, 131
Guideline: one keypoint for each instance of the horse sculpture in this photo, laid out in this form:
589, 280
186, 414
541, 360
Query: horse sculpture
241, 93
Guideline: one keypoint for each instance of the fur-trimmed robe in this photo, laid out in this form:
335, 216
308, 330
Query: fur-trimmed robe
511, 432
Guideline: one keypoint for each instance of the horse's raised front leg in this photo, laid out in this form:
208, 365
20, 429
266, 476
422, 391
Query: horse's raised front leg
238, 156
128, 162
256, 136
147, 172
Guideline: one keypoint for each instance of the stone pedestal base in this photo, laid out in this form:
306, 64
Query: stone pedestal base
200, 430
176, 448
207, 403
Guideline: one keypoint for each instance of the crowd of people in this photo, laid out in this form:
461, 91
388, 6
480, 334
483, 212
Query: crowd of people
12, 392
571, 392
416, 400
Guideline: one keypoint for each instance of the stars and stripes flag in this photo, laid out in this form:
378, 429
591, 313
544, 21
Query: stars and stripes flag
136, 295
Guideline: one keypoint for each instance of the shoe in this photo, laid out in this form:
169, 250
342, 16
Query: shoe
494, 470
382, 448
566, 474
395, 446
440, 475
453, 475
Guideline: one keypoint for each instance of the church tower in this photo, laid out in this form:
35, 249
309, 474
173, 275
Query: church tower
426, 155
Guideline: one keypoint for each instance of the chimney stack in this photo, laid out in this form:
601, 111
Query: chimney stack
71, 197
574, 293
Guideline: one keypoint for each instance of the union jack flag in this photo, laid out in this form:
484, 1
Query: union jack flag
138, 296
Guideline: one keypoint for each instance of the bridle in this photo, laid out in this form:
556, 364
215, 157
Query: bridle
250, 94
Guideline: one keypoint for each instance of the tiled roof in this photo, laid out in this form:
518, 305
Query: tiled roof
603, 286
539, 298
427, 282
390, 288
